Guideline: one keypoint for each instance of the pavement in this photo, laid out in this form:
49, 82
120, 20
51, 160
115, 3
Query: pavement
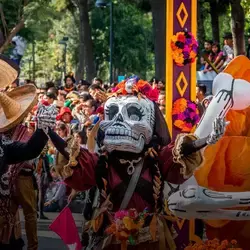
48, 240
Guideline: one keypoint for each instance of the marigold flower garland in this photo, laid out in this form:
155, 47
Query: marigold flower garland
184, 48
214, 244
185, 115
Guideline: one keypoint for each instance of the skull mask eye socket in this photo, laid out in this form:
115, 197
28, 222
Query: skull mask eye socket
112, 111
135, 113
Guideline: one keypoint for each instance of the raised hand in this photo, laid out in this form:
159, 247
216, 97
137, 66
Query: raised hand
219, 128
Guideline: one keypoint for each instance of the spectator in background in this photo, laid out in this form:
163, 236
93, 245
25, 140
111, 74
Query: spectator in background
44, 178
84, 97
96, 92
61, 98
154, 82
200, 95
215, 57
98, 81
205, 53
50, 97
65, 115
228, 51
62, 130
207, 47
20, 45
161, 85
162, 99
83, 86
55, 195
82, 138
69, 83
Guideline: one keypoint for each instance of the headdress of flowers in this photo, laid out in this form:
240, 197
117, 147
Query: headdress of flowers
136, 86
184, 48
185, 115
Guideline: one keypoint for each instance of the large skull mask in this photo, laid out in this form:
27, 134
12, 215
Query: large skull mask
128, 123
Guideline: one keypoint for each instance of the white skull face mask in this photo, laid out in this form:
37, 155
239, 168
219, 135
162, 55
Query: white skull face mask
128, 123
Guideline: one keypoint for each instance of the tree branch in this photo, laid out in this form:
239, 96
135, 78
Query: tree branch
14, 31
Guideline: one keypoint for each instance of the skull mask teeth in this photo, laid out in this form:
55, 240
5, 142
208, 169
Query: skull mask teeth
128, 123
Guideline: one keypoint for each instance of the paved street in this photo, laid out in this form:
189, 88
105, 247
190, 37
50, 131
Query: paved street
49, 240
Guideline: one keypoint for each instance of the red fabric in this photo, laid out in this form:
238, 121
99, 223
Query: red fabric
83, 178
170, 170
64, 226
100, 110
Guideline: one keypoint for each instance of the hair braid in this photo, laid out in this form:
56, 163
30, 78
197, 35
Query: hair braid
158, 183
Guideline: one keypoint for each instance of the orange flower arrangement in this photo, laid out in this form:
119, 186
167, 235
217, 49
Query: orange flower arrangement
185, 114
126, 225
184, 48
214, 244
140, 87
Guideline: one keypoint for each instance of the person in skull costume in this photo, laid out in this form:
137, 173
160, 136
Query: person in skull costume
136, 159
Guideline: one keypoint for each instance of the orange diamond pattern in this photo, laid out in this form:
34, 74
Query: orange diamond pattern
181, 84
182, 10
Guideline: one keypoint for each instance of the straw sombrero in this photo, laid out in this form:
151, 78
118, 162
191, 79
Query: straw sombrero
15, 105
9, 71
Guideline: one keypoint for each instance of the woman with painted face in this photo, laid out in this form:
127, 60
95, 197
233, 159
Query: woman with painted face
136, 157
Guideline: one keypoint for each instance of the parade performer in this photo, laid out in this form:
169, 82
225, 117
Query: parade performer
135, 160
223, 197
15, 105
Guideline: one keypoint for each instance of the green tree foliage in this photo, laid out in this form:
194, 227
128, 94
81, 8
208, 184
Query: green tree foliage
132, 40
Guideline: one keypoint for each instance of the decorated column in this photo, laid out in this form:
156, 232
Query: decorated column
181, 52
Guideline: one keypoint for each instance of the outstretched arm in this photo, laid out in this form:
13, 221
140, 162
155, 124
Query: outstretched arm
18, 152
59, 143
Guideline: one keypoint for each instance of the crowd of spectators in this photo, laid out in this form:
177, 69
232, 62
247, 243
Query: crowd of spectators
217, 57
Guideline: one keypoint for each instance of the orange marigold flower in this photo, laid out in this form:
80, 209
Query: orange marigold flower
174, 38
179, 124
234, 242
192, 54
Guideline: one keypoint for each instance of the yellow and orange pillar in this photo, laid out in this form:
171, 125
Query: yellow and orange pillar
180, 81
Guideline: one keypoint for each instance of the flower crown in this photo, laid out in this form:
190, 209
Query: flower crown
136, 86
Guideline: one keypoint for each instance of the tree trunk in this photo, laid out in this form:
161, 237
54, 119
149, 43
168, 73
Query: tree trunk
214, 20
86, 56
159, 31
200, 22
238, 26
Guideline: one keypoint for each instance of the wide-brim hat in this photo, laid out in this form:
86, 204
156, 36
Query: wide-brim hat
15, 106
9, 71
64, 110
